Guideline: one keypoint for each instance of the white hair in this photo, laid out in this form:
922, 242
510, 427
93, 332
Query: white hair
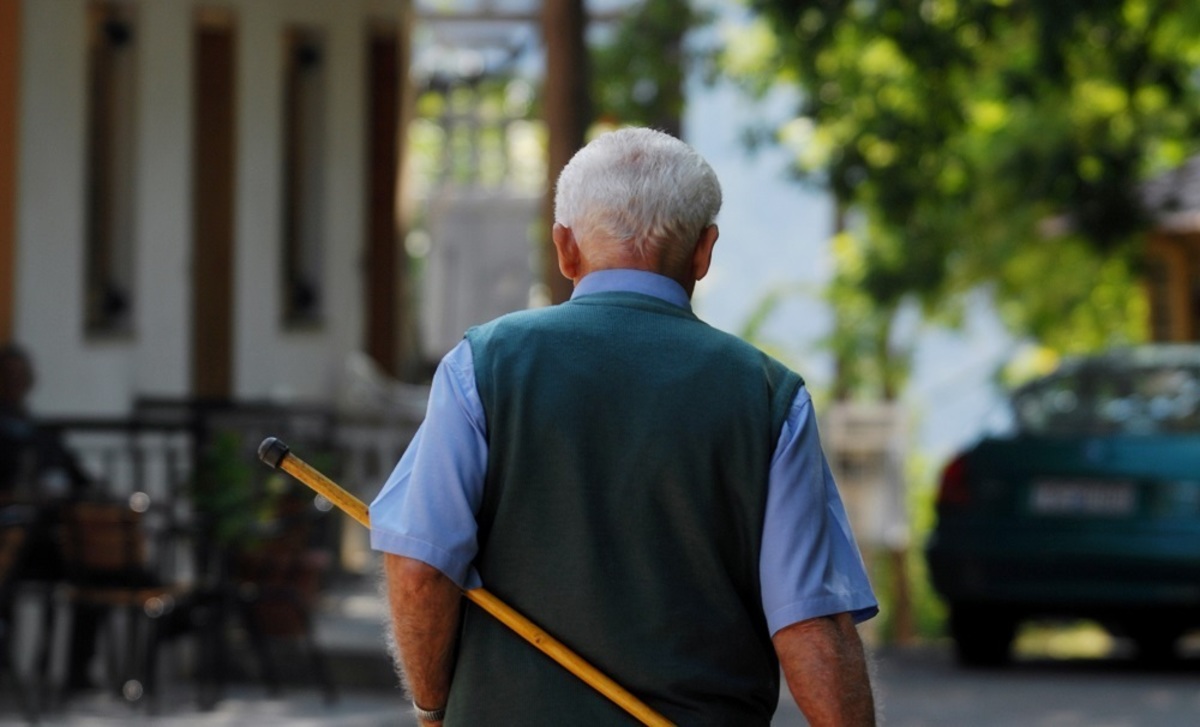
642, 187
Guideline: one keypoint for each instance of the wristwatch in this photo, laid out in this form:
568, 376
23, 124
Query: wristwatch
429, 715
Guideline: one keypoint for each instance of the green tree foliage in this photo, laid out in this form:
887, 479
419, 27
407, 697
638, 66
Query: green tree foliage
981, 142
640, 67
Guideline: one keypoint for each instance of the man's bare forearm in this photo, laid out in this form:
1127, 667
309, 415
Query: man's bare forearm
425, 607
826, 671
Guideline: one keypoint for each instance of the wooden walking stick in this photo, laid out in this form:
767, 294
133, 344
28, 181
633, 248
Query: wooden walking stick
277, 455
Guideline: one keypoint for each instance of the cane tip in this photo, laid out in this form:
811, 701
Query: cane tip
272, 451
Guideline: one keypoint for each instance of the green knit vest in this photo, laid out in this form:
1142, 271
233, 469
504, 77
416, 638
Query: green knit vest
629, 448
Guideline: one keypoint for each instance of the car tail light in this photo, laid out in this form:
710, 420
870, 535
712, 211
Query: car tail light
953, 491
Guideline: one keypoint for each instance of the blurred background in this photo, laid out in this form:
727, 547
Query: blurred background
227, 219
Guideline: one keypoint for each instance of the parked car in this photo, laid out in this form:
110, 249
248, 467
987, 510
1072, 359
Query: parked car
1089, 509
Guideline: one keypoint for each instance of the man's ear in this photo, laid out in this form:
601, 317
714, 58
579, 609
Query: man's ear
567, 249
702, 256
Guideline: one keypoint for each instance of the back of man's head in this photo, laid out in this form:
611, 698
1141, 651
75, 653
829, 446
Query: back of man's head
641, 188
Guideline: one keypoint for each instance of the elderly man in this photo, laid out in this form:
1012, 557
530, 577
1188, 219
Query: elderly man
649, 490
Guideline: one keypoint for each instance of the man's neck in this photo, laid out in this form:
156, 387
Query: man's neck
629, 262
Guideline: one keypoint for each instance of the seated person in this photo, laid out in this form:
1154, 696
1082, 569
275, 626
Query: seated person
37, 468
34, 464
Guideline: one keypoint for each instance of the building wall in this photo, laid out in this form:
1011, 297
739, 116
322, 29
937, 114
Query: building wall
50, 217
161, 351
269, 360
82, 375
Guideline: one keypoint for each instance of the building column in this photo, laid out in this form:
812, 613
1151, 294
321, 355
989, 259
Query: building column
390, 338
568, 114
10, 51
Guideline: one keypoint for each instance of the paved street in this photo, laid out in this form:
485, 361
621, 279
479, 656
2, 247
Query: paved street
242, 706
918, 687
924, 688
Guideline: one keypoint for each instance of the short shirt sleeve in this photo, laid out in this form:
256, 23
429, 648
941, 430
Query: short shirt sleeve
810, 565
426, 509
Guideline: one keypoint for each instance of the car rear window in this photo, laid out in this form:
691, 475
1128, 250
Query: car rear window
1109, 398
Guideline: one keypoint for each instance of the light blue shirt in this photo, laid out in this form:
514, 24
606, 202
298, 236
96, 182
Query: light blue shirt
809, 564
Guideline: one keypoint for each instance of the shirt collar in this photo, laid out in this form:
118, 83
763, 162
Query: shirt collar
633, 281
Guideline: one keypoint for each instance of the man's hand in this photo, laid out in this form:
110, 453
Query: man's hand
826, 671
425, 607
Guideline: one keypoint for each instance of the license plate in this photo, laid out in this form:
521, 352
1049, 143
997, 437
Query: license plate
1083, 497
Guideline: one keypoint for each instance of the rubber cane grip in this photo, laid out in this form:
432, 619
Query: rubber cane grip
272, 452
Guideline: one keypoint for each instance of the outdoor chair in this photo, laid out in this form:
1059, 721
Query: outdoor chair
278, 583
105, 551
15, 524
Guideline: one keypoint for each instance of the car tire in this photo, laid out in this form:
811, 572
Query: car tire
1154, 644
982, 636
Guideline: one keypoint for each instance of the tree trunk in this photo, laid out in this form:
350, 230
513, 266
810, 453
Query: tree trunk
567, 113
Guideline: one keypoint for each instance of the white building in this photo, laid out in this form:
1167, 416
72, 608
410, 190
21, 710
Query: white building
197, 197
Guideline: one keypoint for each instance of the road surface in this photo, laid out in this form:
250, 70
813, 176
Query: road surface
923, 687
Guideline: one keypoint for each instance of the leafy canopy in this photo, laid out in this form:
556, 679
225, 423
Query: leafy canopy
981, 142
